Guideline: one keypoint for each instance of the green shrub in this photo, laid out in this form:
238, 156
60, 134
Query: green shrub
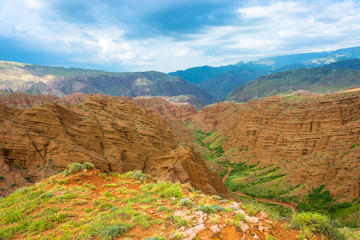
231, 209
138, 175
239, 217
112, 232
88, 166
207, 209
74, 167
218, 208
310, 223
164, 209
216, 197
317, 201
1, 178
186, 202
164, 189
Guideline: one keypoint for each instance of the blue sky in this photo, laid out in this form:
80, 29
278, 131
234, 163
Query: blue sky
168, 35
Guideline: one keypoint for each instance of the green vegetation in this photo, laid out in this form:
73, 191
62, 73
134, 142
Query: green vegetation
186, 202
255, 181
210, 141
317, 201
76, 167
320, 201
163, 189
315, 223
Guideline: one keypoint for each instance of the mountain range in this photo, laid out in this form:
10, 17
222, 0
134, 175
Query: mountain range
64, 81
219, 81
329, 78
204, 85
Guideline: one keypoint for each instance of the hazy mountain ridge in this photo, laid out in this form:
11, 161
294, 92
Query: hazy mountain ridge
330, 78
63, 81
219, 81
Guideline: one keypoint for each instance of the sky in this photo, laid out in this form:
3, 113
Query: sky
170, 35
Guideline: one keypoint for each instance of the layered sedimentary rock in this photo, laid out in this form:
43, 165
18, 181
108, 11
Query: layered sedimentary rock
312, 138
186, 166
114, 134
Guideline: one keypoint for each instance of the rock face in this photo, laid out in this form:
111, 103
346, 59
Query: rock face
114, 134
186, 166
25, 100
314, 139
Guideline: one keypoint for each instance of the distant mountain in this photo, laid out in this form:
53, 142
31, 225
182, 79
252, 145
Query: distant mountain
219, 81
352, 64
327, 79
61, 81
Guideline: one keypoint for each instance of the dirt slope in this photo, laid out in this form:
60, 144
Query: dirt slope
95, 205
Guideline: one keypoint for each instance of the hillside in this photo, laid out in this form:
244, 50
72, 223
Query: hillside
88, 203
64, 81
219, 81
113, 133
327, 79
271, 153
302, 140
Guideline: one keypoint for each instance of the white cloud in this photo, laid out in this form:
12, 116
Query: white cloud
281, 27
273, 10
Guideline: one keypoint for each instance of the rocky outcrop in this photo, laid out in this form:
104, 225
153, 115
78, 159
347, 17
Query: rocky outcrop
113, 133
25, 100
186, 166
314, 139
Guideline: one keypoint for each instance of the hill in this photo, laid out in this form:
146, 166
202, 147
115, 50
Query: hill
89, 204
271, 154
334, 77
219, 81
64, 81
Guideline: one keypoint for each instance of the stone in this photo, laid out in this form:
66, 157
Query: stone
263, 215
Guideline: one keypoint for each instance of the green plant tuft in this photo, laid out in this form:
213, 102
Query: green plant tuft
74, 167
88, 166
315, 223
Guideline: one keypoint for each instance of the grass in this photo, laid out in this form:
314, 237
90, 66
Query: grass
255, 181
315, 223
163, 189
186, 202
124, 207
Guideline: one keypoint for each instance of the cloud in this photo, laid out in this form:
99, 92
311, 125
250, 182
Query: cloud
168, 35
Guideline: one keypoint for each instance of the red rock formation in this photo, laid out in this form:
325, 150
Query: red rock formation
313, 139
186, 166
114, 134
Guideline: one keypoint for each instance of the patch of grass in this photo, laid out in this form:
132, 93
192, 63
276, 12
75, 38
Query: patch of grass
179, 221
315, 223
164, 209
163, 189
63, 181
186, 202
207, 208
